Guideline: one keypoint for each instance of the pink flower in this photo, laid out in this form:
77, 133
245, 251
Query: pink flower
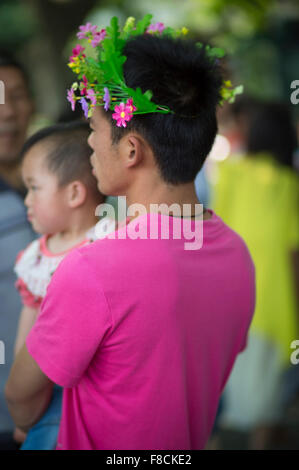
91, 96
130, 105
76, 52
98, 37
156, 27
71, 98
122, 114
85, 83
85, 29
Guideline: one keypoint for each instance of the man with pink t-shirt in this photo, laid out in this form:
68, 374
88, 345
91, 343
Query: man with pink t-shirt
142, 331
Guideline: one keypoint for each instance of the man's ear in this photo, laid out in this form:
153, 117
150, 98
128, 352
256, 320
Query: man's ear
133, 149
76, 194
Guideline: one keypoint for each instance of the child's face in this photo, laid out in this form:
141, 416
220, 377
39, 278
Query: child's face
46, 202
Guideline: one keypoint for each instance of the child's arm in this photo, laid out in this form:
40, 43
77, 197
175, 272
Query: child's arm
26, 322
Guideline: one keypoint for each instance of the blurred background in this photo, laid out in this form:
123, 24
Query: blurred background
259, 36
250, 178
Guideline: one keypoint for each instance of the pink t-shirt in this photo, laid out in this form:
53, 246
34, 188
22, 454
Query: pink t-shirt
34, 268
143, 335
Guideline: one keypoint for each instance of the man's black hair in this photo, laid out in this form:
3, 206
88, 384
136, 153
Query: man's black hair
68, 154
7, 60
182, 77
271, 130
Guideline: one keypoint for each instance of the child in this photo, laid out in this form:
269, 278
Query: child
61, 200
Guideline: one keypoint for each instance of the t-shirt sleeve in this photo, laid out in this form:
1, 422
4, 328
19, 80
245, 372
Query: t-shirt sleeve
73, 320
28, 299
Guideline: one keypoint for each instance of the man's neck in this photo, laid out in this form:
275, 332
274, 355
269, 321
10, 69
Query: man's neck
153, 196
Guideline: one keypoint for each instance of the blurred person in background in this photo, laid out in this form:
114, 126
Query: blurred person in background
234, 122
202, 187
233, 126
258, 196
15, 231
15, 116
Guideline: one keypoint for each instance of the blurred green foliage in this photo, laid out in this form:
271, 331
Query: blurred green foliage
230, 18
18, 23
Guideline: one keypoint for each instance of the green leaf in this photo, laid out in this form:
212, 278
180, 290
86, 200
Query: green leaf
128, 28
112, 39
142, 101
111, 58
113, 30
112, 70
93, 69
239, 89
212, 52
148, 94
171, 32
216, 52
142, 25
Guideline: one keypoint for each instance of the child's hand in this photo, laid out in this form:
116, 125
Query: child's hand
19, 436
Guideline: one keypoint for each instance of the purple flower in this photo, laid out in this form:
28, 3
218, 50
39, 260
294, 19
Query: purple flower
98, 37
84, 107
71, 98
106, 99
87, 28
156, 28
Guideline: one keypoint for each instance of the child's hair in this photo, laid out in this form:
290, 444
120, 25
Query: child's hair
69, 154
183, 77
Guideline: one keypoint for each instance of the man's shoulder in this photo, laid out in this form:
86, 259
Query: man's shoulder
232, 242
114, 259
109, 249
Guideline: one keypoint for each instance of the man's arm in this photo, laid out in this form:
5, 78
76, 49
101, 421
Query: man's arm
28, 391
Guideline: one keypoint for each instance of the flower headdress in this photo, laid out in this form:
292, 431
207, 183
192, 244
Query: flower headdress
101, 76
